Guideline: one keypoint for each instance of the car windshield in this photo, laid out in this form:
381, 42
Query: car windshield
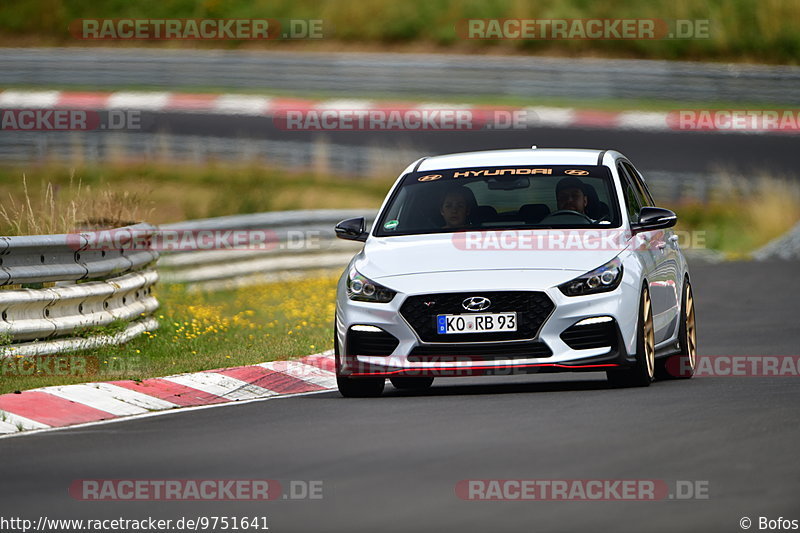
491, 198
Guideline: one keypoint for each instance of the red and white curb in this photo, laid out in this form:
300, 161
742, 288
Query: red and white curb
253, 105
67, 405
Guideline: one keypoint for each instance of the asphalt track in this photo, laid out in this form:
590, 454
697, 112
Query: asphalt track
650, 150
391, 464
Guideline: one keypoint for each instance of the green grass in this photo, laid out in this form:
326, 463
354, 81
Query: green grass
56, 198
744, 215
741, 30
112, 328
201, 331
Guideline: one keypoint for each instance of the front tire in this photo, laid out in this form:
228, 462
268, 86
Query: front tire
360, 387
642, 372
355, 387
683, 364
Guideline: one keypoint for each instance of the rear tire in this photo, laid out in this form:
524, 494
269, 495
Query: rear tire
683, 364
642, 372
415, 383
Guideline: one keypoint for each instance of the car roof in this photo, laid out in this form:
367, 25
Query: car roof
529, 156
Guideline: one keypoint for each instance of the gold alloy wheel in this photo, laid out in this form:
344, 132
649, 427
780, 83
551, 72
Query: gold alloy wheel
648, 334
691, 330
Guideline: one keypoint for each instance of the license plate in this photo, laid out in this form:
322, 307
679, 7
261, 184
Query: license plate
481, 323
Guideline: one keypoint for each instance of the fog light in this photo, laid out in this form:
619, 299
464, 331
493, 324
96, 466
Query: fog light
594, 320
365, 328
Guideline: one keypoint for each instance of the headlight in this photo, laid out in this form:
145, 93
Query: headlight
363, 289
601, 279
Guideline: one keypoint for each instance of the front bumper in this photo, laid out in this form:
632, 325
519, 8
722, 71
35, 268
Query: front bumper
548, 350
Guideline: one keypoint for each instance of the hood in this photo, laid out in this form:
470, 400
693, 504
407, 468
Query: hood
388, 257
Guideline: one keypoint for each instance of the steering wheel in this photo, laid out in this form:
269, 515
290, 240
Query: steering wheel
562, 212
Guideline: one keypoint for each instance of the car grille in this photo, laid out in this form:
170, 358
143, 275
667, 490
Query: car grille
478, 352
370, 343
532, 310
591, 336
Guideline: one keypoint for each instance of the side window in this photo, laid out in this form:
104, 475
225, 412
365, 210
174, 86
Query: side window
632, 202
638, 182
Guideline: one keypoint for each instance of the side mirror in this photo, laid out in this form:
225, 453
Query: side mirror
352, 229
651, 218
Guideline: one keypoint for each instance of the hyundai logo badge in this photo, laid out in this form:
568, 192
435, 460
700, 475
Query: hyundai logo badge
476, 303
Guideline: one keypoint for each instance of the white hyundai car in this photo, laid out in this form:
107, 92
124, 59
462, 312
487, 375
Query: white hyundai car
514, 261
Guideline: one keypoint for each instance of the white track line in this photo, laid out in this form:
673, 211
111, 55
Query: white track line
25, 99
127, 404
309, 373
139, 399
642, 121
550, 116
155, 101
94, 397
237, 104
16, 420
156, 413
221, 385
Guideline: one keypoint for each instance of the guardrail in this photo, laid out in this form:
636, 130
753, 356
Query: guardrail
299, 241
59, 287
398, 74
785, 247
59, 291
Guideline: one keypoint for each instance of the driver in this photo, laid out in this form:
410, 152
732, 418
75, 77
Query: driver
456, 207
570, 195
